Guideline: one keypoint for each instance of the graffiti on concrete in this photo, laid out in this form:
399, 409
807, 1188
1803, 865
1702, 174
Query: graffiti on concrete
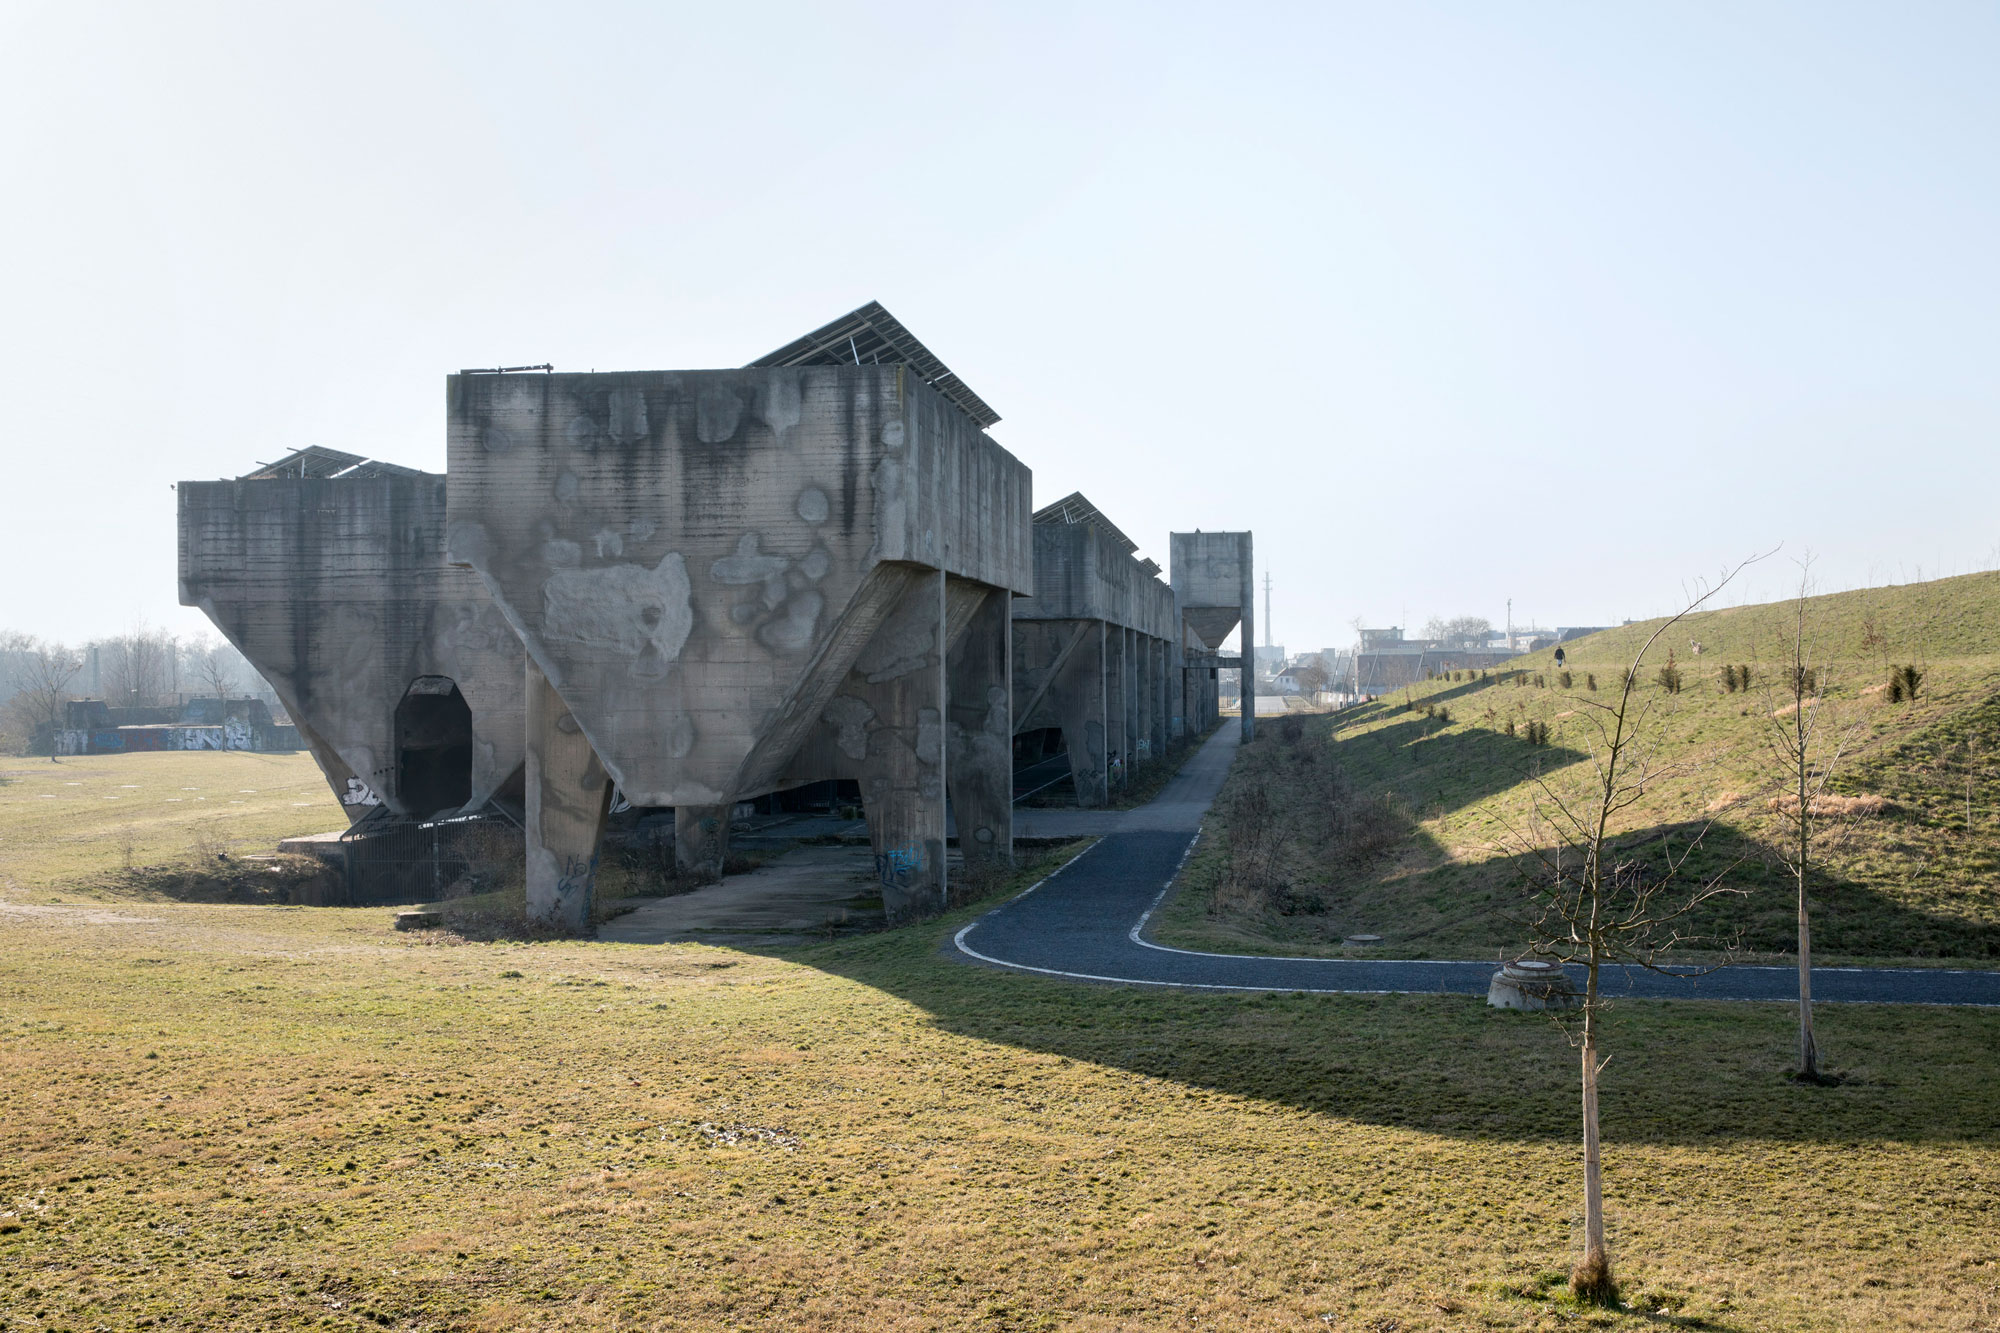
578, 874
359, 793
896, 866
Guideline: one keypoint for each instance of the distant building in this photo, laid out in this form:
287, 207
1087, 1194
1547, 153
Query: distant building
91, 726
1391, 668
1383, 660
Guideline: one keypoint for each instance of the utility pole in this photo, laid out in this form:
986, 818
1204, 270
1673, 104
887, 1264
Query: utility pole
1510, 624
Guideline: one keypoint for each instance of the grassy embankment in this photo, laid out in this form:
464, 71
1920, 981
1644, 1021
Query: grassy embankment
234, 1118
1405, 821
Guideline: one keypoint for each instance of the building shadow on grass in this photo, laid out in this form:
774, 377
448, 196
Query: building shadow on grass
1684, 1073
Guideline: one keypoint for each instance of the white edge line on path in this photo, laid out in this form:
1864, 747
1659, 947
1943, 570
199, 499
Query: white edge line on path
958, 942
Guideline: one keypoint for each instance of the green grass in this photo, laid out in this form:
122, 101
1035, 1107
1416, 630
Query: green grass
69, 824
235, 1118
1917, 883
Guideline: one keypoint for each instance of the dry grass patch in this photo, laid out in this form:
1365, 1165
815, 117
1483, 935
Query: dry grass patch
77, 824
1835, 807
244, 1118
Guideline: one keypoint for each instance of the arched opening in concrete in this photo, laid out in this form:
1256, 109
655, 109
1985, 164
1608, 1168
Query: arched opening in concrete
433, 747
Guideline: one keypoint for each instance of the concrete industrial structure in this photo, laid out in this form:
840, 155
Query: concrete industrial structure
328, 572
1215, 591
699, 587
1095, 648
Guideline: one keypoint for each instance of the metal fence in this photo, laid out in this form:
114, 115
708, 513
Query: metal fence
385, 859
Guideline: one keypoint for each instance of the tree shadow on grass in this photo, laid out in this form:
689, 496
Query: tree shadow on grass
1428, 764
1761, 917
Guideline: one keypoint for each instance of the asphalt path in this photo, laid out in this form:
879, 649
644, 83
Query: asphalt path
1087, 922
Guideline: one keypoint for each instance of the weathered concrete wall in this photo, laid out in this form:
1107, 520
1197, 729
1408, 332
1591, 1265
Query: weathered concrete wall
688, 555
1090, 648
339, 594
737, 580
1082, 574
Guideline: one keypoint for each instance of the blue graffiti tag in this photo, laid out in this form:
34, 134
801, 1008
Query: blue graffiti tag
895, 866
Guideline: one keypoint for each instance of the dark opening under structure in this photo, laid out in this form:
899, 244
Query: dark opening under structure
433, 748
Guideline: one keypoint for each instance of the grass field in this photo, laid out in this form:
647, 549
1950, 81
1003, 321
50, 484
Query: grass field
69, 823
232, 1117
229, 1117
1446, 776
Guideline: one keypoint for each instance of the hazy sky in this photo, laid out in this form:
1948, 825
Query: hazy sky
1448, 303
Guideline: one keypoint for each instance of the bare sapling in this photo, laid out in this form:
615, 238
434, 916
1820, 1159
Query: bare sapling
1599, 904
1807, 744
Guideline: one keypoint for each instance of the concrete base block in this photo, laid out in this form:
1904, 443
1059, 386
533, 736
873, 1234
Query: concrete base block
1531, 985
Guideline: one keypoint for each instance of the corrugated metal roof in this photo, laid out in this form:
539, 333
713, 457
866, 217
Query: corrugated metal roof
1073, 508
871, 335
315, 462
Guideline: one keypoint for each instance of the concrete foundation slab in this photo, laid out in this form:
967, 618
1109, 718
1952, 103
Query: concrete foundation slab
803, 895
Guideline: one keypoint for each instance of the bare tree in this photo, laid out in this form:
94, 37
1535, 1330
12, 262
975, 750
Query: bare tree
1469, 631
1459, 631
43, 672
1600, 904
1807, 743
213, 665
140, 667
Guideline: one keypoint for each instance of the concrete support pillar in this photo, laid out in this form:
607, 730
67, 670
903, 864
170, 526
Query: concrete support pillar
1135, 701
568, 795
1143, 749
895, 699
979, 752
701, 840
1157, 692
1117, 737
1080, 697
1249, 691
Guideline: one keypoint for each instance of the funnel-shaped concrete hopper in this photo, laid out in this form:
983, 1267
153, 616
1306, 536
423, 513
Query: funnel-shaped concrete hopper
401, 675
736, 579
1215, 589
